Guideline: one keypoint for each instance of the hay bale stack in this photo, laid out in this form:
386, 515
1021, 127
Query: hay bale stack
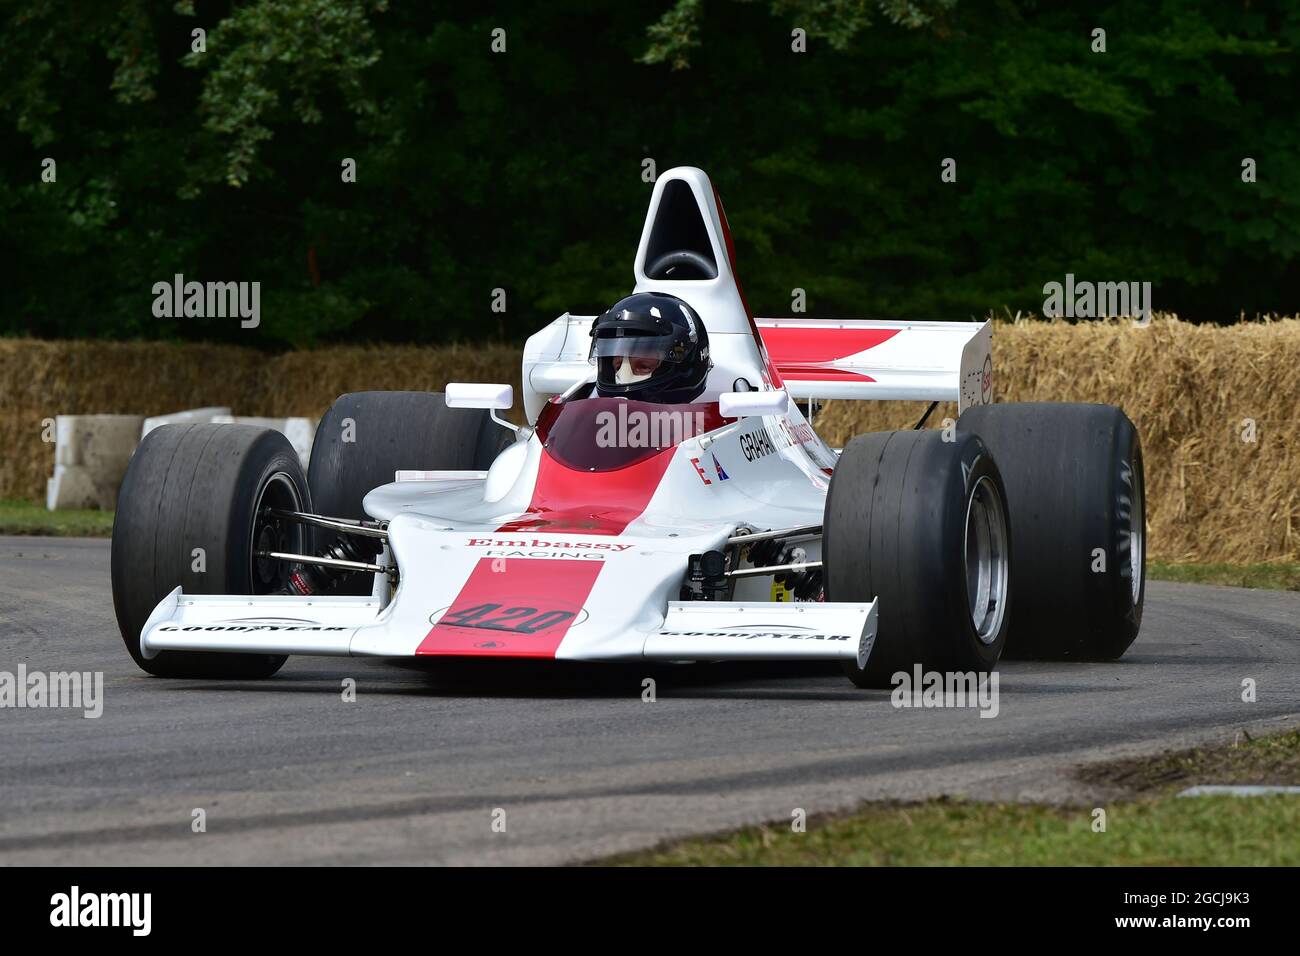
306, 383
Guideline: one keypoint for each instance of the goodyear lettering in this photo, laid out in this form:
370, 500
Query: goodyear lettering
249, 627
754, 635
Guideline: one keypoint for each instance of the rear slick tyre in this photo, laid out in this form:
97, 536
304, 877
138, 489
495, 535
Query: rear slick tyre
1076, 488
366, 437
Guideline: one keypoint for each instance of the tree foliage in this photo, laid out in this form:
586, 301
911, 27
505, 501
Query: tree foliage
521, 170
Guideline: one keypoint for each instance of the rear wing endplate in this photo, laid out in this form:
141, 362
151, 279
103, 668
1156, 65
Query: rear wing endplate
866, 359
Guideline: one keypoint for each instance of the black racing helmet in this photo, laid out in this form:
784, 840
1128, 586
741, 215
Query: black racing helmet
651, 347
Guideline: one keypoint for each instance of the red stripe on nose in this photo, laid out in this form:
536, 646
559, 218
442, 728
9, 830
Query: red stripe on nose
514, 607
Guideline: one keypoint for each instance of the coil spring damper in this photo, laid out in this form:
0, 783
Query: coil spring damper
308, 580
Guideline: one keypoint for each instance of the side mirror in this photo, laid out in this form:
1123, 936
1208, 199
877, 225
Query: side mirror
753, 404
474, 395
491, 397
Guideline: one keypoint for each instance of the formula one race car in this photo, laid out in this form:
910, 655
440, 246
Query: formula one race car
668, 501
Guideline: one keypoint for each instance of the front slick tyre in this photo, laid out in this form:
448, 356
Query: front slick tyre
918, 521
190, 513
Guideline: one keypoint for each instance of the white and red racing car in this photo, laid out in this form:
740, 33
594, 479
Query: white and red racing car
668, 501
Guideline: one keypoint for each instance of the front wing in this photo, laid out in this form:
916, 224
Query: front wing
357, 626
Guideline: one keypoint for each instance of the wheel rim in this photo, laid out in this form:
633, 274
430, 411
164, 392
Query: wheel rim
987, 573
267, 575
1136, 538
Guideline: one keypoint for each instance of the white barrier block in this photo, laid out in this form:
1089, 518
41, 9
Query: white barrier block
91, 453
71, 487
301, 433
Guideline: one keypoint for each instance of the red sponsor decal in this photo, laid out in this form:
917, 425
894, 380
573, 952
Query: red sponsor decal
545, 598
798, 351
823, 374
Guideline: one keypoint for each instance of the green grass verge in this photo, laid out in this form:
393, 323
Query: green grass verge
31, 517
1274, 759
1152, 827
1200, 831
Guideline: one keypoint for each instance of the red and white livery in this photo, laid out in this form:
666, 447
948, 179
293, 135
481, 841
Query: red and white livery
610, 529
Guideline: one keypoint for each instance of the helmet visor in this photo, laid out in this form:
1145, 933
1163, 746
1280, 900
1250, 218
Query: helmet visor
646, 350
631, 360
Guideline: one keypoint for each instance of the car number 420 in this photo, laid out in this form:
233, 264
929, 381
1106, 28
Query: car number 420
497, 617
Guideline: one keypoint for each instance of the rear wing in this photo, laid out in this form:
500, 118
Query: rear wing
865, 359
816, 358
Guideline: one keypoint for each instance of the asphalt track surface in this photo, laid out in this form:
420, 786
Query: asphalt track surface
414, 770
